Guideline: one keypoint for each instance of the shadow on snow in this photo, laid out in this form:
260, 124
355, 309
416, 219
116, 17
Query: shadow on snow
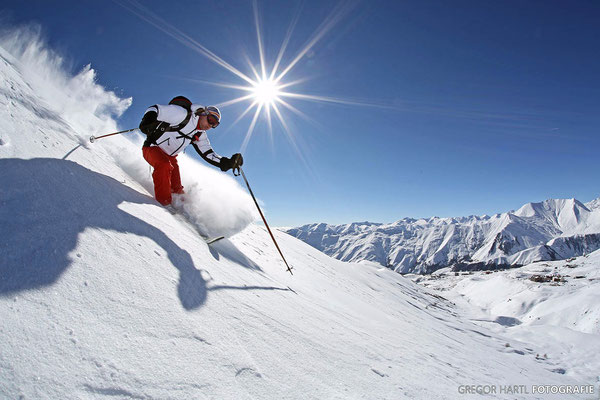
45, 203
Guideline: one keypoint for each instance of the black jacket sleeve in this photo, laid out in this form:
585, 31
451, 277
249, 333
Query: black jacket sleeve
149, 122
205, 156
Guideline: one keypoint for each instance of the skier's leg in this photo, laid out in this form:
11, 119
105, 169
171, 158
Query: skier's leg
162, 173
176, 186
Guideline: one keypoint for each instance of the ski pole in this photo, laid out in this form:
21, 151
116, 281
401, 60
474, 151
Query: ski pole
93, 138
263, 218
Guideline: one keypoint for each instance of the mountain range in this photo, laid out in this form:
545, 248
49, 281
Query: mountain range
554, 229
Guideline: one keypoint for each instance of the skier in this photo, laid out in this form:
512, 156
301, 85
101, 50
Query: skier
170, 129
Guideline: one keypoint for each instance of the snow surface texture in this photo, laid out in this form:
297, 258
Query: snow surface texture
550, 230
554, 303
103, 293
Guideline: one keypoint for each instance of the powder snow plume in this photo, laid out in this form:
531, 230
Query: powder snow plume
214, 201
85, 105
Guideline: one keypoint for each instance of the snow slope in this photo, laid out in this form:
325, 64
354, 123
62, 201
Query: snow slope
104, 294
552, 303
550, 230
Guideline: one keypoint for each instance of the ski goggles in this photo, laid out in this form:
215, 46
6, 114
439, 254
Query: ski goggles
212, 121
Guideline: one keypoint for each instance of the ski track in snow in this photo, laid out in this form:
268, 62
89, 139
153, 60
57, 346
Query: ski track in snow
103, 293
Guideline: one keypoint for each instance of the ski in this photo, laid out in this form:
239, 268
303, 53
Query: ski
180, 214
213, 239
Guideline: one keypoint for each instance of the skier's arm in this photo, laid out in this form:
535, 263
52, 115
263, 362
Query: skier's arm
149, 121
203, 147
205, 150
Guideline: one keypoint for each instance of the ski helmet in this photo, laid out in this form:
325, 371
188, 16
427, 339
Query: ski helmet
212, 110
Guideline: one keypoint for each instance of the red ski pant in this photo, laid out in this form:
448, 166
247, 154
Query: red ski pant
166, 174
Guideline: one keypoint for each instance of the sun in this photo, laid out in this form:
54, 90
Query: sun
266, 88
265, 92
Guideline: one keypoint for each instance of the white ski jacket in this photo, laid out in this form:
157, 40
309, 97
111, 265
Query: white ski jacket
173, 143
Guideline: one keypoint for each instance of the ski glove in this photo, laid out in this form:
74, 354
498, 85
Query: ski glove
235, 162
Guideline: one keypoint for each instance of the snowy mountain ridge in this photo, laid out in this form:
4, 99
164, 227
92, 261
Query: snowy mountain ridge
550, 230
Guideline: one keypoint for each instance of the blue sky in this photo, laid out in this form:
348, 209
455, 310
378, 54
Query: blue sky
458, 108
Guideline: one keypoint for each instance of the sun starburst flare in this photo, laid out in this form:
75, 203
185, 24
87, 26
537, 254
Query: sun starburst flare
265, 91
